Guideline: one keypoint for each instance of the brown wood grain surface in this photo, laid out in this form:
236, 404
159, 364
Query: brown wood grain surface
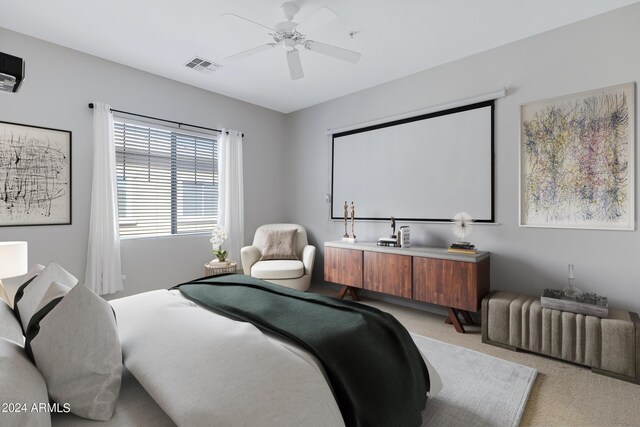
428, 283
387, 273
456, 284
343, 266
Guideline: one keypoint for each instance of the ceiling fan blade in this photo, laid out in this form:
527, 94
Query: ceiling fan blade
250, 52
248, 20
334, 51
318, 19
295, 66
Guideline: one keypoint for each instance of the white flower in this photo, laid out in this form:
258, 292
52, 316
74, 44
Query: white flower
462, 223
218, 236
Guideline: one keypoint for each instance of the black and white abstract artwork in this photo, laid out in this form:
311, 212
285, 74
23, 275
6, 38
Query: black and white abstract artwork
35, 175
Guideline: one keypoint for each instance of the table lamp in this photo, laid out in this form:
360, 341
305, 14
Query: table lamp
13, 262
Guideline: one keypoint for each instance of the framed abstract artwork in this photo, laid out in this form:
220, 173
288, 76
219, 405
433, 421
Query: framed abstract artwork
577, 160
35, 175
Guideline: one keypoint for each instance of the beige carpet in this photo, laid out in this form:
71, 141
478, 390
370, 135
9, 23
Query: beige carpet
563, 394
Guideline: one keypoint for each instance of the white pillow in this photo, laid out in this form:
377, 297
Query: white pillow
76, 348
9, 325
30, 294
56, 291
51, 298
21, 384
35, 270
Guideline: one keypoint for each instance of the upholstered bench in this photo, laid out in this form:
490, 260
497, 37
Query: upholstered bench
609, 346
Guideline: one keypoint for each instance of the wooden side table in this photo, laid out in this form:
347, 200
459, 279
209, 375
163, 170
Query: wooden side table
216, 268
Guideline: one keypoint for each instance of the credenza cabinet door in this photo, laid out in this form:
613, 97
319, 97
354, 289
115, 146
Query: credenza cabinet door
387, 273
343, 266
447, 283
428, 281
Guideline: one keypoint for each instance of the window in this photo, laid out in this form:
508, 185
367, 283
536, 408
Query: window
167, 180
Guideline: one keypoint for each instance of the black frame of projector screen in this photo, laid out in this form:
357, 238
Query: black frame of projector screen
475, 106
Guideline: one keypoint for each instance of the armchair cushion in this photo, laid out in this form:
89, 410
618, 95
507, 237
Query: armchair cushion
295, 273
278, 269
279, 244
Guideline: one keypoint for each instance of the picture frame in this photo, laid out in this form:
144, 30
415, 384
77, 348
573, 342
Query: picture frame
35, 175
577, 160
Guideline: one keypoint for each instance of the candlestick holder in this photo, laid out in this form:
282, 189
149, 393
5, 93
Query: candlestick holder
571, 291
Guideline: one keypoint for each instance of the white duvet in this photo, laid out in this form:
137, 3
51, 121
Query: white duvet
204, 369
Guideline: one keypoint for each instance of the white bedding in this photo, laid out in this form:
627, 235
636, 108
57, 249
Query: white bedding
135, 408
203, 369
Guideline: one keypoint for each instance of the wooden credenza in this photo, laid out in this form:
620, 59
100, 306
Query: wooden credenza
434, 275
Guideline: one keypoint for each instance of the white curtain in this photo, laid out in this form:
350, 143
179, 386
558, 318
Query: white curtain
231, 192
104, 275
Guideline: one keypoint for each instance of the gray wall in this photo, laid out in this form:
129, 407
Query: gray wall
599, 52
595, 53
60, 82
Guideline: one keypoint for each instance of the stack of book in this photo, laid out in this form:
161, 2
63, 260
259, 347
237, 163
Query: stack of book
463, 248
388, 241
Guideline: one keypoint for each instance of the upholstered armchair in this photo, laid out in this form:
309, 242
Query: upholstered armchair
293, 273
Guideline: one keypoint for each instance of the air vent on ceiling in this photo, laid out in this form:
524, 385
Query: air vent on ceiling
202, 65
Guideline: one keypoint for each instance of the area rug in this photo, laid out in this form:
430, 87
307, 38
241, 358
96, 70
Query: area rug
478, 389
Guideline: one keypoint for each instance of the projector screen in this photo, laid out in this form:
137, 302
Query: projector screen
424, 168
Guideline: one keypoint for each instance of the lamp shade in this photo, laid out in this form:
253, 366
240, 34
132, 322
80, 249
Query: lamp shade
13, 259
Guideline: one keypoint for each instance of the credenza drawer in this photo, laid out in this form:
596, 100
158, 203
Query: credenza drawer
343, 266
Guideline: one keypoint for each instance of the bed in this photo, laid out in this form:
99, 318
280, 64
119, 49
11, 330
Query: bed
192, 362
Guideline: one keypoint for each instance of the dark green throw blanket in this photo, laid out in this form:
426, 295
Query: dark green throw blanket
375, 370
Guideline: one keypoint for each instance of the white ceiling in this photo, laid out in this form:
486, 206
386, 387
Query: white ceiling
396, 38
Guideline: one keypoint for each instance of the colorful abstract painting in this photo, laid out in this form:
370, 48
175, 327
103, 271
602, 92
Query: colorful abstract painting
577, 160
35, 175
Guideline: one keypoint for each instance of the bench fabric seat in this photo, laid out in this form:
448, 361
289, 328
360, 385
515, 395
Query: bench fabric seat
519, 322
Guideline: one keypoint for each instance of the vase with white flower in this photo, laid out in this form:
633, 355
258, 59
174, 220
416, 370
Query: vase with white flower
218, 236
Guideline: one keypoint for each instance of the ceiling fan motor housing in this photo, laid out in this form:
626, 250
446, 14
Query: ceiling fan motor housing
290, 9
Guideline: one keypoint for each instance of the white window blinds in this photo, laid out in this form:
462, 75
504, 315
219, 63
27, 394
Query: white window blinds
167, 180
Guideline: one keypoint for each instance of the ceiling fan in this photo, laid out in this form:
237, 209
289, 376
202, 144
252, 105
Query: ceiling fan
291, 35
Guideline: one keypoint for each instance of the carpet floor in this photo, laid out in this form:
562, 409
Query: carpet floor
478, 390
563, 394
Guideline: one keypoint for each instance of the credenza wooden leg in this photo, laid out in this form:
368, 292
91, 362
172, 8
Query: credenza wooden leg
453, 318
467, 317
352, 291
343, 292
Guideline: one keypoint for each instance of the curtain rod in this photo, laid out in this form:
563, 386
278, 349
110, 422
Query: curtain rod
163, 120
